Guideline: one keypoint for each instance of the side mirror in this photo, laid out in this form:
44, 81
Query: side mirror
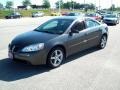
73, 31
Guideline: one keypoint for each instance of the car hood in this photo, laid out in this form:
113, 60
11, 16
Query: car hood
110, 18
32, 37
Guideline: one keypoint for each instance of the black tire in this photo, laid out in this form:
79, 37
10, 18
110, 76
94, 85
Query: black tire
118, 22
103, 42
50, 55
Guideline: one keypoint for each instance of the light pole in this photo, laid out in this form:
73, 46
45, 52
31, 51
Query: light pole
14, 6
111, 5
95, 5
84, 6
99, 4
84, 2
59, 6
73, 6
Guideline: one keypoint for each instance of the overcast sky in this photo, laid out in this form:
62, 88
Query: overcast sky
103, 3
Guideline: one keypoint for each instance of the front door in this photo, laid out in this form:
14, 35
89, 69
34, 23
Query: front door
77, 41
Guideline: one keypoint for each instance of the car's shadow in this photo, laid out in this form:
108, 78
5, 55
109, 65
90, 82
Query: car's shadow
12, 71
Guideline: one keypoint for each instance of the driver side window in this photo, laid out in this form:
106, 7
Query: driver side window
79, 26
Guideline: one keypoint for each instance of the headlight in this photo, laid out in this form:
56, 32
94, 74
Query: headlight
34, 47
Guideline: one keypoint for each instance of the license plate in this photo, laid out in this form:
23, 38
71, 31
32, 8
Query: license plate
10, 55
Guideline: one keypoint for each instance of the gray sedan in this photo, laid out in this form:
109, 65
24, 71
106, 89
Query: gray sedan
111, 19
52, 42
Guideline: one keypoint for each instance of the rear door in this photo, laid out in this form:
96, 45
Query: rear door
93, 32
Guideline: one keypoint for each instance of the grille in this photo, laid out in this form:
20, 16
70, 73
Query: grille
13, 48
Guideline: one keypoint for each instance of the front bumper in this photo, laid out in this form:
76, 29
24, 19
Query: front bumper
35, 58
110, 21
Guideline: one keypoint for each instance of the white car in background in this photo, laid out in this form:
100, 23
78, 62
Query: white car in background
37, 14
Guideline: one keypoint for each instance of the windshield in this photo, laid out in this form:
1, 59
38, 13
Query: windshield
110, 16
55, 26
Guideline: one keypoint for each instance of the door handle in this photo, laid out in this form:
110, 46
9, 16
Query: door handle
84, 41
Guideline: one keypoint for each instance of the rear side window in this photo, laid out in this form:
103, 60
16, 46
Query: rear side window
79, 26
91, 23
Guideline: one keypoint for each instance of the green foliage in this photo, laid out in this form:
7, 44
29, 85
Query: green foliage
72, 4
61, 4
46, 4
112, 8
67, 5
9, 4
3, 13
26, 3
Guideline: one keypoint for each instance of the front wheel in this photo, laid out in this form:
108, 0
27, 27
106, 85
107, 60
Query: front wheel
103, 42
55, 57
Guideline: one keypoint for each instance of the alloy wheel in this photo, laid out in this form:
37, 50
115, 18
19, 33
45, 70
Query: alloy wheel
103, 42
56, 57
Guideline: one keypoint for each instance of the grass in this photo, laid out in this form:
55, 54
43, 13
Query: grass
3, 13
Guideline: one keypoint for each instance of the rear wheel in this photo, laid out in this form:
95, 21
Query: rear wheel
103, 42
55, 57
118, 22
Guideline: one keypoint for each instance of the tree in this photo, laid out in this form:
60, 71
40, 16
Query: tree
9, 4
61, 4
1, 6
92, 6
46, 4
26, 3
112, 8
67, 5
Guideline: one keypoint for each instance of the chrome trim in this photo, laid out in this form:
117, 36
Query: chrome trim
84, 41
13, 49
93, 38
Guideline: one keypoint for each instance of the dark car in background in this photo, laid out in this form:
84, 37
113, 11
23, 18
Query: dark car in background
13, 15
53, 41
73, 14
95, 16
111, 19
